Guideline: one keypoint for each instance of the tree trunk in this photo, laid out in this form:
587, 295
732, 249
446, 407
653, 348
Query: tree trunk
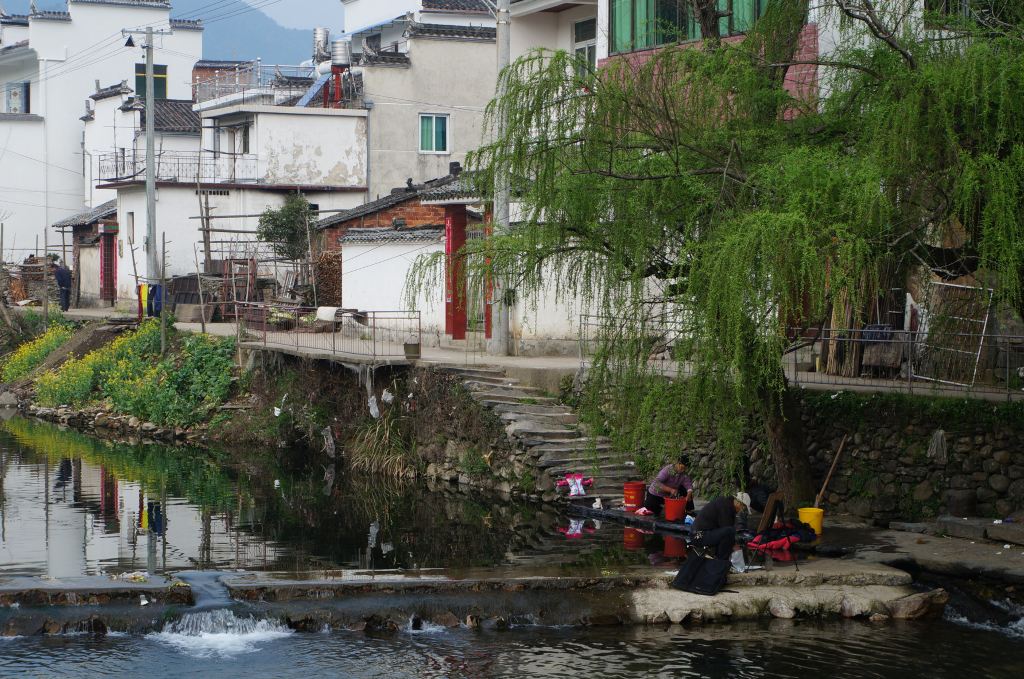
785, 432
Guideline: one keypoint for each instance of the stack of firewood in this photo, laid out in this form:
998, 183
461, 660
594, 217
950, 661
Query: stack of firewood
328, 278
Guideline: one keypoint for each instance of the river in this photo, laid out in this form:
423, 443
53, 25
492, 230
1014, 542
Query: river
71, 505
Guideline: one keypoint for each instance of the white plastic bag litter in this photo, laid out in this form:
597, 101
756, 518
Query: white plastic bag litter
739, 564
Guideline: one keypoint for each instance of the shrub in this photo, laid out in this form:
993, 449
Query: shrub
179, 390
31, 354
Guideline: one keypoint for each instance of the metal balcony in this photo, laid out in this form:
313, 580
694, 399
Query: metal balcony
180, 166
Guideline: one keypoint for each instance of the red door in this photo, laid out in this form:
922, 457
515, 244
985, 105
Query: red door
108, 267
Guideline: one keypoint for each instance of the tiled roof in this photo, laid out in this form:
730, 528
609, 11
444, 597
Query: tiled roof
14, 46
47, 15
390, 235
20, 116
215, 63
111, 91
187, 24
159, 4
385, 59
14, 19
460, 189
455, 6
104, 211
394, 198
174, 115
169, 115
446, 32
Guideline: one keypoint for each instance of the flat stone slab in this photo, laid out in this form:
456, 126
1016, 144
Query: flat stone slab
93, 591
742, 603
960, 527
1006, 532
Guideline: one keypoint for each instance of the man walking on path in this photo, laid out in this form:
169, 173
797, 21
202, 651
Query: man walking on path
715, 525
62, 275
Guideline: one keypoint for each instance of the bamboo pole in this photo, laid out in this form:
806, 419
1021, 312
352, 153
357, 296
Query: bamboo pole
835, 461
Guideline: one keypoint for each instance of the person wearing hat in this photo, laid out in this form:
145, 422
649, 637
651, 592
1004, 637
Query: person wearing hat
714, 529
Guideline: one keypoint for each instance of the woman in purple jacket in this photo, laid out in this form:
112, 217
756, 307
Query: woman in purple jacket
671, 481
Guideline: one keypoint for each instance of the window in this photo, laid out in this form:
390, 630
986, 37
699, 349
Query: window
433, 133
131, 227
245, 139
14, 98
585, 43
643, 24
159, 81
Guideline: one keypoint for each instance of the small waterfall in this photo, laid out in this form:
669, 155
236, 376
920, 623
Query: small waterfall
207, 588
219, 633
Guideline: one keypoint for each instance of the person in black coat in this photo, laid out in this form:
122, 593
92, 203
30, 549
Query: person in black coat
62, 276
715, 525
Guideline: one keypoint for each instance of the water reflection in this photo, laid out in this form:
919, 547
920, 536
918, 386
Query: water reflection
73, 505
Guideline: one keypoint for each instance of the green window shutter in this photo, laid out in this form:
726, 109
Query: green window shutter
644, 23
622, 25
744, 13
426, 133
441, 133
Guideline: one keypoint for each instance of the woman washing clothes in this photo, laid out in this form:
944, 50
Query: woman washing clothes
671, 481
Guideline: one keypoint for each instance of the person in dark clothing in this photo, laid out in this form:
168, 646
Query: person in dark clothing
715, 525
671, 481
62, 276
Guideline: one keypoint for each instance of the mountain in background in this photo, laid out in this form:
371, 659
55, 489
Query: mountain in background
234, 30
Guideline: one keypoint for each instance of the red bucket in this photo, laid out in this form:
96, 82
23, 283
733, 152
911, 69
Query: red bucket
632, 539
675, 508
633, 495
675, 548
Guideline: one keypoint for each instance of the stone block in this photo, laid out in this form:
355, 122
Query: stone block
999, 483
1006, 532
910, 527
960, 527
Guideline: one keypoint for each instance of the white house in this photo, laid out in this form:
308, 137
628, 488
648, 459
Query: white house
50, 63
237, 155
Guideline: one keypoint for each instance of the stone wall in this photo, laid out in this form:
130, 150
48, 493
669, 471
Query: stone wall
906, 458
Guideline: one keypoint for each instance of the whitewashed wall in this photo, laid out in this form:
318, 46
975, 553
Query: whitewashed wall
432, 84
69, 63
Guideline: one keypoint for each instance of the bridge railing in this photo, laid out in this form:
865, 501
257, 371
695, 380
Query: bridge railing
385, 335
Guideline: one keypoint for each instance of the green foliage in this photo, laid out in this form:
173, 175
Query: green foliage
287, 227
31, 354
179, 390
854, 410
701, 208
472, 462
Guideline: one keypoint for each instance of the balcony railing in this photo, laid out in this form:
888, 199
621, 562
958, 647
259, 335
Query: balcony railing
180, 166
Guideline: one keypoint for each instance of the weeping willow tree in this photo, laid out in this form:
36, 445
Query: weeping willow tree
702, 201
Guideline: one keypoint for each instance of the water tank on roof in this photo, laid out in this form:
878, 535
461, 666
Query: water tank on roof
321, 44
341, 53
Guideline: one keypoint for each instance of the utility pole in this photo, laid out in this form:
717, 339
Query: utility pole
152, 257
499, 344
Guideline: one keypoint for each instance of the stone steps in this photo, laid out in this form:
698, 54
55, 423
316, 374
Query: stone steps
550, 432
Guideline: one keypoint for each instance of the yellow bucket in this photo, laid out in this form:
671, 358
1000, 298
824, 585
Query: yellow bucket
813, 517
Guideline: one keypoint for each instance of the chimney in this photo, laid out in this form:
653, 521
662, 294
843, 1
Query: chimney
97, 85
455, 168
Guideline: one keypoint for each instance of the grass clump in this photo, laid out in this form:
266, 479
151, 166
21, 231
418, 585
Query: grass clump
31, 354
382, 447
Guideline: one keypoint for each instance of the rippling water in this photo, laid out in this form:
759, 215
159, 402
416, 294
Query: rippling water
756, 650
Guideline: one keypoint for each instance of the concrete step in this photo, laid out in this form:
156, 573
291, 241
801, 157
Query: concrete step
552, 461
474, 371
488, 398
603, 473
554, 418
580, 445
532, 437
474, 385
533, 409
495, 380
